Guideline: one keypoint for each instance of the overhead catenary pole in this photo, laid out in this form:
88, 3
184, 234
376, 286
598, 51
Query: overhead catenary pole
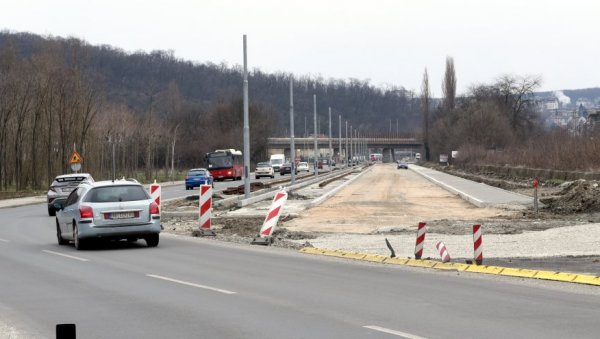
351, 147
340, 139
316, 155
346, 148
292, 142
330, 148
246, 128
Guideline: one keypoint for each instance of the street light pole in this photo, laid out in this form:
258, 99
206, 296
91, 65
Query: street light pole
246, 128
316, 165
351, 146
340, 138
330, 149
346, 148
292, 142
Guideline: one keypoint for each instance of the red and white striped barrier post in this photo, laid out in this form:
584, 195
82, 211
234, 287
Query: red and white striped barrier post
155, 194
443, 252
266, 231
477, 244
420, 240
205, 216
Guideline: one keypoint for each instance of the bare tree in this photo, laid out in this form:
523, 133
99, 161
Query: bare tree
425, 103
449, 86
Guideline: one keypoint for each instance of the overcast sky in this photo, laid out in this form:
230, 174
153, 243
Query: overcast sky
386, 42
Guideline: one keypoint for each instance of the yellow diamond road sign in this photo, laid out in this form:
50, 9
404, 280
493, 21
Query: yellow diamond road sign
75, 158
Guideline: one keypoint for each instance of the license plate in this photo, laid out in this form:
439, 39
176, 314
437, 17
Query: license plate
121, 215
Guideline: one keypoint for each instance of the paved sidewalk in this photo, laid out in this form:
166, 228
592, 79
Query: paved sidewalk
479, 194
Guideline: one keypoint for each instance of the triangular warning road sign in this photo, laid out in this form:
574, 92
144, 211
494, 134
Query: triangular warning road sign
75, 158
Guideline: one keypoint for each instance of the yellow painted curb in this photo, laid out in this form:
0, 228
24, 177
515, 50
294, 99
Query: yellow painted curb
495, 270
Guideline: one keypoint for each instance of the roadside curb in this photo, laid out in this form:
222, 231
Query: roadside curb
494, 270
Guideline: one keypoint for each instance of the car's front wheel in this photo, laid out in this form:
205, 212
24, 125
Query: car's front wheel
152, 240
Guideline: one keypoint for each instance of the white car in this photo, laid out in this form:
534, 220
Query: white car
303, 166
264, 169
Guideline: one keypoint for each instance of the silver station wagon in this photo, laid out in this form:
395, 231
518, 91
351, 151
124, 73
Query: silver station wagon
108, 210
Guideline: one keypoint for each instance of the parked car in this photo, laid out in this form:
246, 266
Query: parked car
62, 186
303, 166
198, 176
264, 169
287, 169
116, 210
402, 165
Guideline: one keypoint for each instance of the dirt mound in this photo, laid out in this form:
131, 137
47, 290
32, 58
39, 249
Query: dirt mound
579, 196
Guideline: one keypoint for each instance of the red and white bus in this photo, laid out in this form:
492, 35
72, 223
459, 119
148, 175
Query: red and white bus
225, 164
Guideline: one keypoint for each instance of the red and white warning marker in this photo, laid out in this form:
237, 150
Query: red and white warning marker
266, 231
155, 194
443, 252
420, 240
205, 216
478, 244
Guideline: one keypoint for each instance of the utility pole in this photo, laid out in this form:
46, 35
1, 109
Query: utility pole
351, 146
340, 139
292, 142
316, 164
346, 148
330, 149
246, 128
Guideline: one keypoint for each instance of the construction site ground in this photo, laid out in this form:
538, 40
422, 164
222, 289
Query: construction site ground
386, 202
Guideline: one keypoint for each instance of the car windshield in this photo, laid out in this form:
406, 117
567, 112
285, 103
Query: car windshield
117, 194
194, 173
263, 164
276, 161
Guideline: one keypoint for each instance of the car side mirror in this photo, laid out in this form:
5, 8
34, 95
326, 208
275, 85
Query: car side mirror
58, 206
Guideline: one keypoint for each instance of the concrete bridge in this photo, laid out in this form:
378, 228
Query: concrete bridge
391, 148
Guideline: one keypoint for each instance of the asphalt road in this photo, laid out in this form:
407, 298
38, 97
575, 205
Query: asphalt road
198, 288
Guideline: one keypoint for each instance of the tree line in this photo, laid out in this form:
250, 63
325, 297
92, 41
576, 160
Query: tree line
52, 103
499, 123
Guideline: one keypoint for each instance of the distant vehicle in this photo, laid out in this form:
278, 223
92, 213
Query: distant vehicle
62, 186
402, 165
303, 166
112, 210
376, 157
287, 169
276, 161
225, 164
264, 169
198, 176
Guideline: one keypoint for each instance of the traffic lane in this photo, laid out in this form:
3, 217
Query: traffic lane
381, 295
376, 295
335, 291
109, 302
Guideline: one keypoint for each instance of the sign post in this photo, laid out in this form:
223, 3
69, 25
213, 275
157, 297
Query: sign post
75, 161
536, 183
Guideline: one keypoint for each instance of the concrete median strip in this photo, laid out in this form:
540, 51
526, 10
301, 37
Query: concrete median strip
494, 270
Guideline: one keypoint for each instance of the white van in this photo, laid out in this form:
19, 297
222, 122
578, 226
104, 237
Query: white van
276, 161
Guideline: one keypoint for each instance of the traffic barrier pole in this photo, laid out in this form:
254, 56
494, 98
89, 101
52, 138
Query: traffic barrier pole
443, 252
205, 216
155, 192
477, 244
266, 231
420, 240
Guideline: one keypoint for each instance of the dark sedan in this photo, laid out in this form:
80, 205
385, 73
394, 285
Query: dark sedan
287, 169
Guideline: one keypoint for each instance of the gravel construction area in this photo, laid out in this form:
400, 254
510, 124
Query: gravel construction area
388, 203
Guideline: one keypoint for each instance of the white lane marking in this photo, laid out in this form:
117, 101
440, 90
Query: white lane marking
394, 332
191, 284
4, 240
65, 255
